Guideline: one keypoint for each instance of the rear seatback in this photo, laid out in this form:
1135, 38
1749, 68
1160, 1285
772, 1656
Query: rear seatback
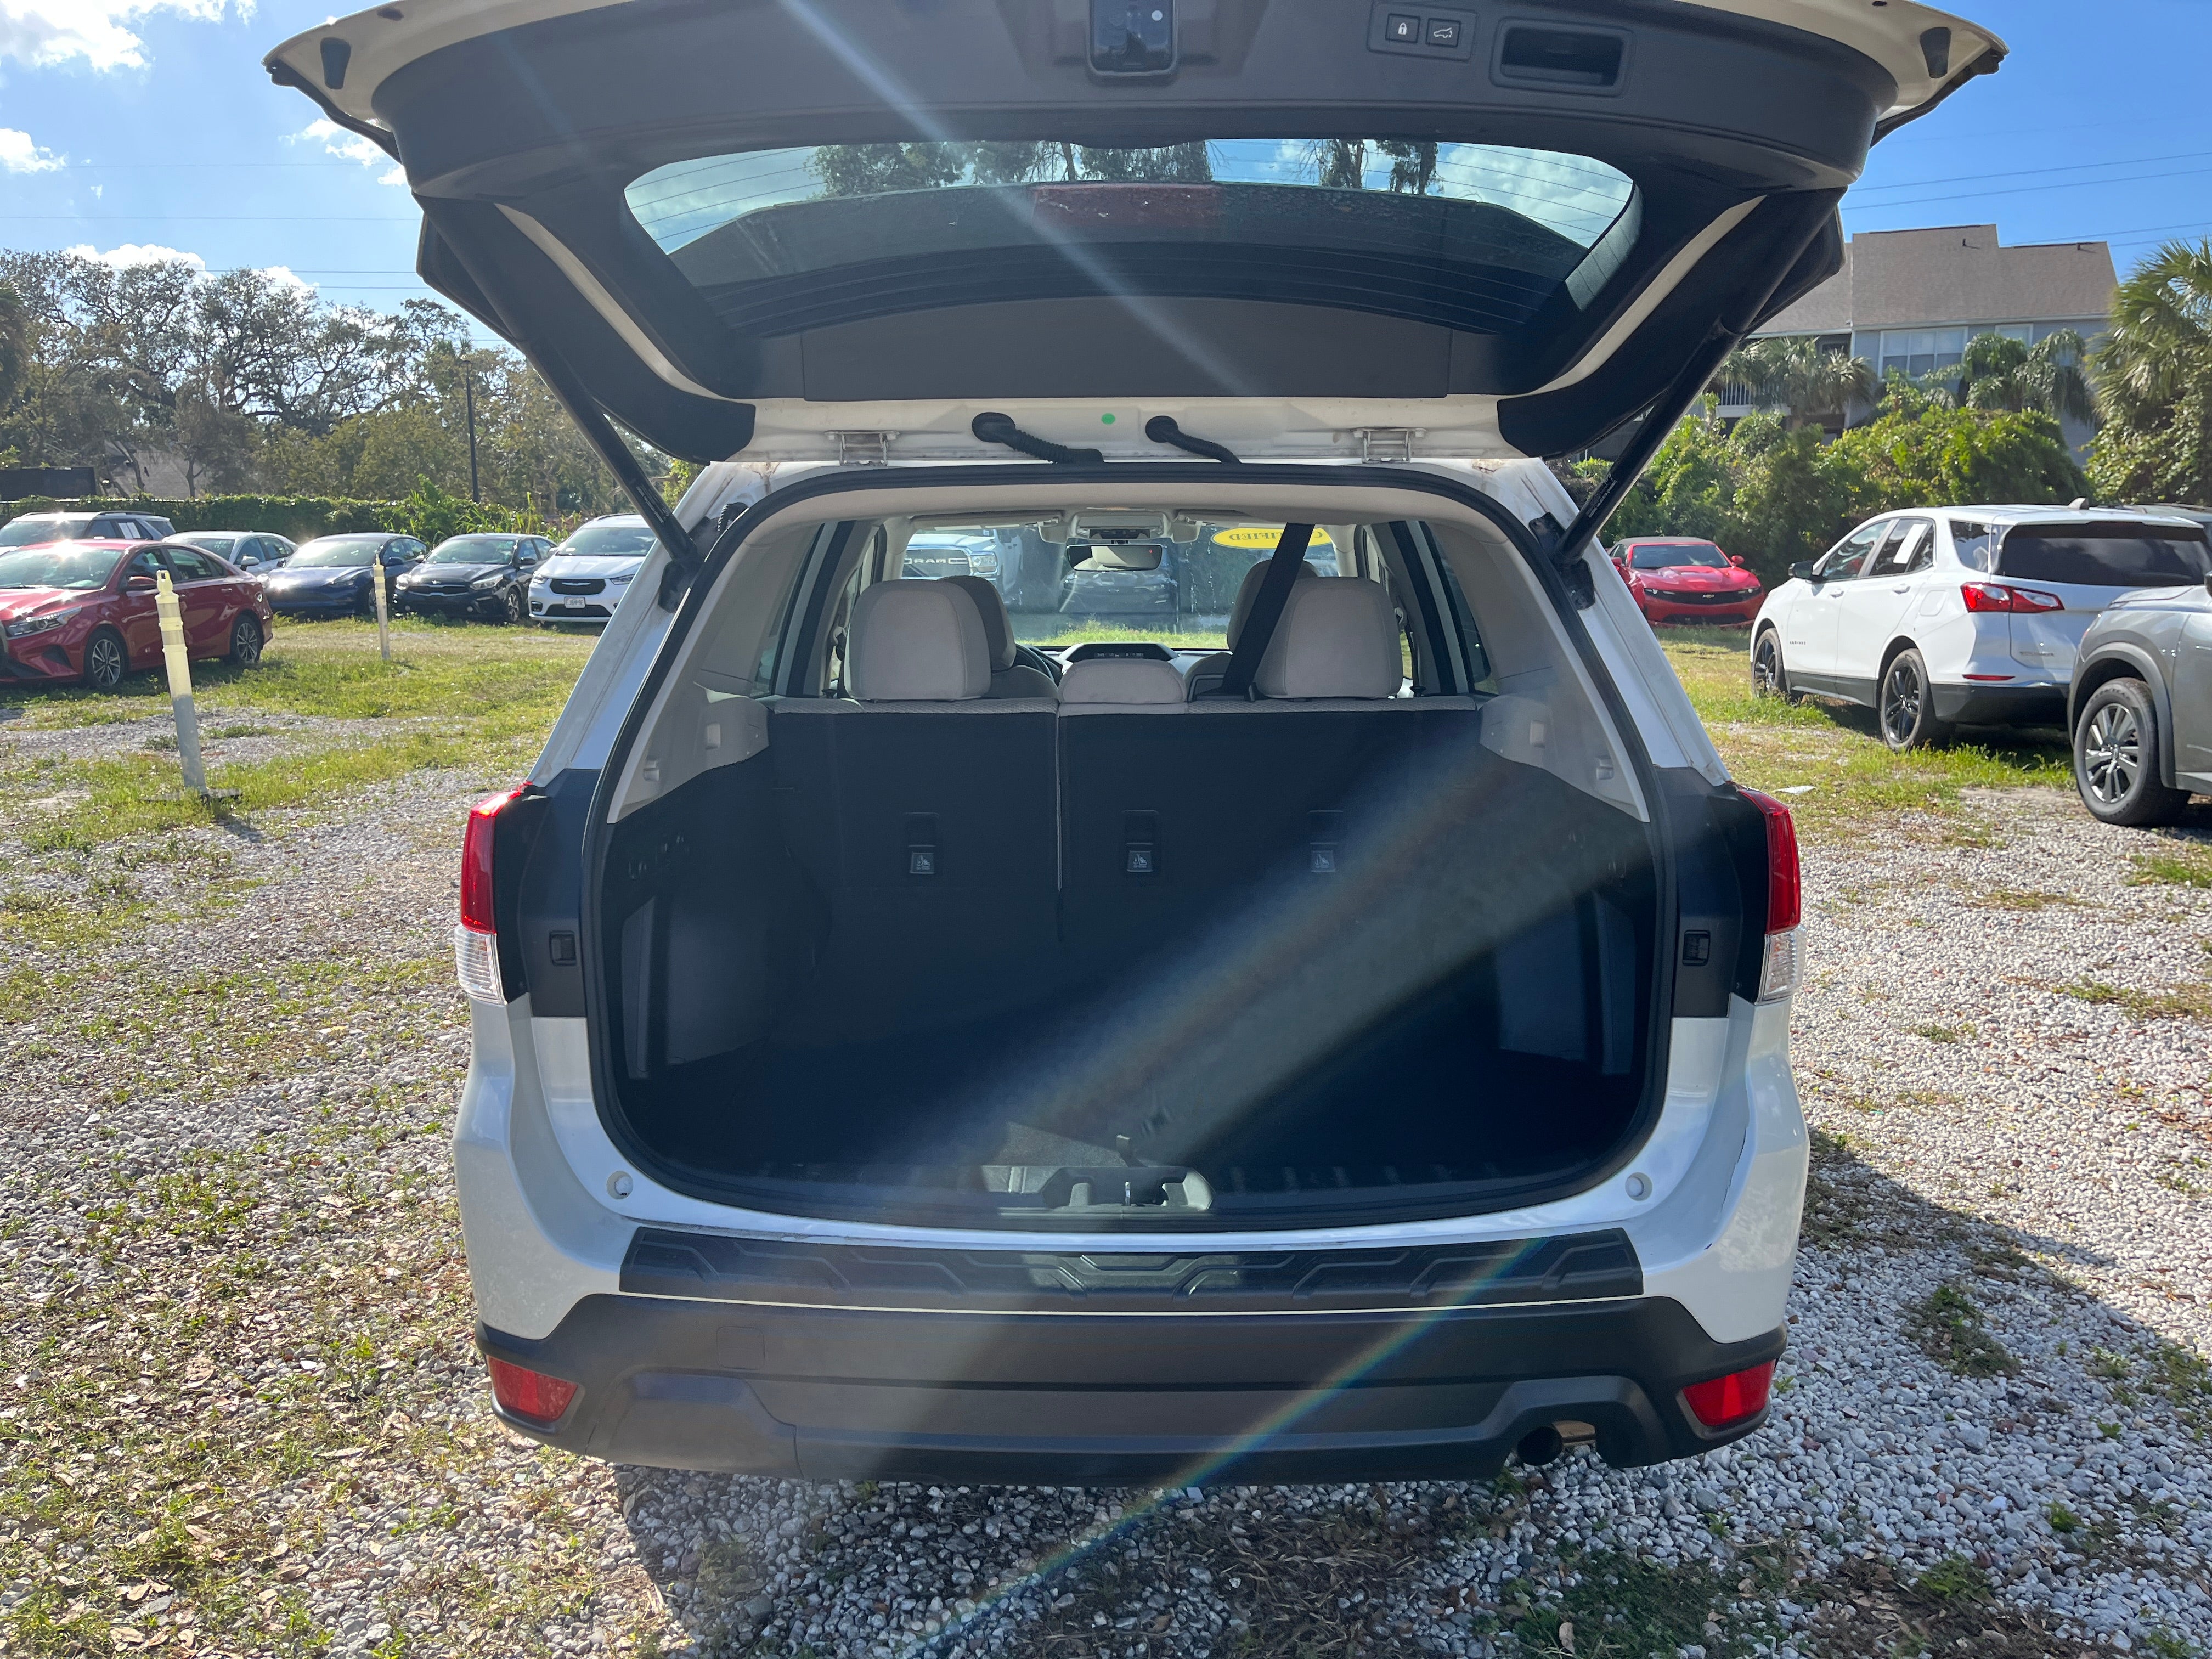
1172, 814
923, 810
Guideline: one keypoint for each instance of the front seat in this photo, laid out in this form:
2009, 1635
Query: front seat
1010, 677
1207, 673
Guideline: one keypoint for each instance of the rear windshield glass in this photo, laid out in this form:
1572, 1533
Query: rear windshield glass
1670, 556
1065, 584
2106, 555
27, 532
1477, 237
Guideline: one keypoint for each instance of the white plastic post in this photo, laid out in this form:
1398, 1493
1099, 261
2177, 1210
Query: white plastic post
179, 664
376, 579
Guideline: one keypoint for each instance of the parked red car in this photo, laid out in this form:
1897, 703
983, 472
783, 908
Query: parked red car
1679, 579
84, 610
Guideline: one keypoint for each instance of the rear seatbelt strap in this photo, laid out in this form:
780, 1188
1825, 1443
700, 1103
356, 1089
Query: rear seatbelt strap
1267, 610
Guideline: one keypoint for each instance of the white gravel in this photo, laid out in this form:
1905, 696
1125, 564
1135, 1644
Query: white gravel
2042, 1155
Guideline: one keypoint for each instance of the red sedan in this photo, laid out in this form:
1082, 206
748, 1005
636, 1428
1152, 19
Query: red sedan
1678, 579
84, 610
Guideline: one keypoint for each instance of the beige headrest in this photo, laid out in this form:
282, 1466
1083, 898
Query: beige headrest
998, 626
1124, 680
917, 641
1338, 638
1248, 590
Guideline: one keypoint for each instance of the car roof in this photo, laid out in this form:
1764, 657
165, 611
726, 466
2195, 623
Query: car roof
2068, 514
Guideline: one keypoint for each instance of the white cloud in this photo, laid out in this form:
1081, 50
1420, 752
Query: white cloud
137, 253
283, 277
19, 155
44, 32
346, 146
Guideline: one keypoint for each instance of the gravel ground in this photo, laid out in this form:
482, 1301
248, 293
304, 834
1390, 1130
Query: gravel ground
241, 1414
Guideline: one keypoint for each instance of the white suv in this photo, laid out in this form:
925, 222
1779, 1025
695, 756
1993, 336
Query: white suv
1355, 1045
1961, 615
584, 579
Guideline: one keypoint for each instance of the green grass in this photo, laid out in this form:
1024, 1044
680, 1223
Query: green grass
2184, 865
1851, 784
1051, 631
450, 697
331, 669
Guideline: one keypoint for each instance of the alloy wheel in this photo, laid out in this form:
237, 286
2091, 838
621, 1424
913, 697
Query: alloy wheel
2111, 753
246, 641
103, 662
1901, 693
1766, 667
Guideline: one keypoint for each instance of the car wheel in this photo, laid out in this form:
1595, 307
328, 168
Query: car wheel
2115, 758
1907, 704
1768, 677
245, 640
512, 610
105, 661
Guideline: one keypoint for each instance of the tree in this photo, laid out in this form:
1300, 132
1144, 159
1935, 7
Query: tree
2154, 382
14, 343
1413, 163
1798, 376
2000, 373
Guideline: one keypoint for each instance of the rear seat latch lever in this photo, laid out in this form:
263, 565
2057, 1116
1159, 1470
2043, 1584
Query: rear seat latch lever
1325, 833
1140, 843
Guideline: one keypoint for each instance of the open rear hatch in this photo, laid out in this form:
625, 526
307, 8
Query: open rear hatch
771, 225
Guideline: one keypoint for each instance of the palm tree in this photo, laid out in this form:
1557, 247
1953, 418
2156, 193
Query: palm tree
1797, 376
2159, 347
2154, 382
2046, 378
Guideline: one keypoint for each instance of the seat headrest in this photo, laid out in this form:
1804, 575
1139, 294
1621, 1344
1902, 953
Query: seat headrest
1122, 681
1338, 638
917, 641
1247, 591
998, 626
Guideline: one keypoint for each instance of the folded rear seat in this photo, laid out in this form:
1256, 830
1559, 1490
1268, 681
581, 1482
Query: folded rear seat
923, 810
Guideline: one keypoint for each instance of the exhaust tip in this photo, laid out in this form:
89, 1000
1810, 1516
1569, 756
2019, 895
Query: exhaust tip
1540, 1446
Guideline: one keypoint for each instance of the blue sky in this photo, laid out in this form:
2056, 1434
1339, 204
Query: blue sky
126, 123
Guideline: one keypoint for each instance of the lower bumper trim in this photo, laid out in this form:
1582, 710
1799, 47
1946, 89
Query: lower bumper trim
837, 1393
2001, 705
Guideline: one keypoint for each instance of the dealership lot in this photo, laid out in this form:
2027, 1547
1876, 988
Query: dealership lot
243, 1413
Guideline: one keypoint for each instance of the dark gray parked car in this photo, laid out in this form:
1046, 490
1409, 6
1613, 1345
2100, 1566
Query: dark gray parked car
2142, 709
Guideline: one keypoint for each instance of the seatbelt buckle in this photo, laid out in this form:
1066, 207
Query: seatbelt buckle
922, 845
1140, 843
1324, 843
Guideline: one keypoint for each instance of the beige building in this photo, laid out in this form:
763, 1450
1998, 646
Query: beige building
1911, 299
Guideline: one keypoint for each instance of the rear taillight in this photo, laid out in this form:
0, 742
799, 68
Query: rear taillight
537, 1398
1995, 596
476, 941
1723, 1401
1785, 898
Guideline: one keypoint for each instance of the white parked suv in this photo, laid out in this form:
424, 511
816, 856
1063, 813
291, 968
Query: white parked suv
1962, 615
584, 579
1358, 1051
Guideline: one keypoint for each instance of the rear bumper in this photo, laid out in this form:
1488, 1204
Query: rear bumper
2001, 705
844, 1394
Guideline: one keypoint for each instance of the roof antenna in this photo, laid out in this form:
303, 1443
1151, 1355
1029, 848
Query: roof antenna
996, 429
1163, 429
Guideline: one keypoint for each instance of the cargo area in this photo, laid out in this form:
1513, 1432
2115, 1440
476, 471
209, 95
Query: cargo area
895, 924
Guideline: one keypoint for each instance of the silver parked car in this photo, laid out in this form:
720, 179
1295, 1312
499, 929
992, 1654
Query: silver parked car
257, 552
2141, 710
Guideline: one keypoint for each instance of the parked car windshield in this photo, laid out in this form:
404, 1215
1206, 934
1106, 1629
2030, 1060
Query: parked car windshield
609, 541
212, 542
59, 567
474, 550
333, 551
2106, 555
1675, 556
30, 530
